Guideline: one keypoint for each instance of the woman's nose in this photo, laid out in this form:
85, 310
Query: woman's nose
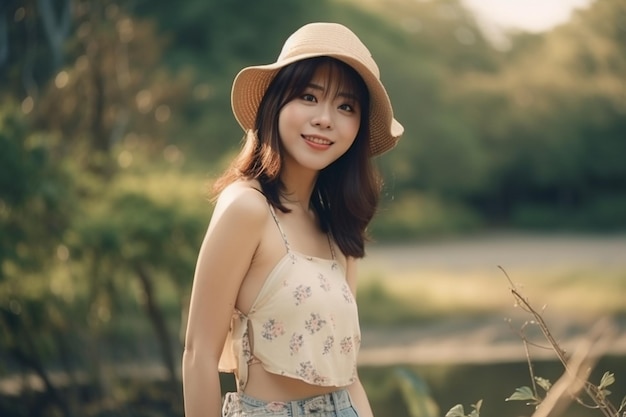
322, 117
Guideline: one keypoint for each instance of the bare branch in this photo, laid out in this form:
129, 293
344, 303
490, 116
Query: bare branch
577, 367
576, 372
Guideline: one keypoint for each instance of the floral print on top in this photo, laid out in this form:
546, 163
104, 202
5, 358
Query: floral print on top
304, 322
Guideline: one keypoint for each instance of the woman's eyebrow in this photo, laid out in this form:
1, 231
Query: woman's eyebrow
344, 94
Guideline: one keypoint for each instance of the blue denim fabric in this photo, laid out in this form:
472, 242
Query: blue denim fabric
335, 404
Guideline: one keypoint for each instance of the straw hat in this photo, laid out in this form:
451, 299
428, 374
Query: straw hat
312, 40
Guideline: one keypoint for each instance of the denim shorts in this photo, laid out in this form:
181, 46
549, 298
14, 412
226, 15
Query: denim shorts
334, 404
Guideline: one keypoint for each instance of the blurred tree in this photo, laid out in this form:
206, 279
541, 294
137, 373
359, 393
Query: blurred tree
35, 208
112, 97
555, 123
56, 22
31, 187
128, 236
113, 91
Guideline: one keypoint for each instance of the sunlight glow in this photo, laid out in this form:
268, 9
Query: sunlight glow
527, 15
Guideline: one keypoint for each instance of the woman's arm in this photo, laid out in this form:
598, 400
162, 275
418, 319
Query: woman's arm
357, 392
225, 256
359, 399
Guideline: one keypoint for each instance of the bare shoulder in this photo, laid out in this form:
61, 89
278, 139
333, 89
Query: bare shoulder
243, 203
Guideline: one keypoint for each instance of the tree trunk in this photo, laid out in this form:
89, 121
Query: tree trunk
158, 322
26, 354
56, 26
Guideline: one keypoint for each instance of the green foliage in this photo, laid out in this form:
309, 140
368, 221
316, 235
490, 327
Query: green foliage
574, 382
416, 394
378, 307
607, 379
531, 397
129, 229
31, 187
413, 215
545, 384
524, 394
459, 411
554, 133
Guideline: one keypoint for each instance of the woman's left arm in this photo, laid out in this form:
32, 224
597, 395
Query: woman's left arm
359, 399
357, 392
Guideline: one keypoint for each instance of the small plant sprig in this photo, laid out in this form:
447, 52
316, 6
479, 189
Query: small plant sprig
574, 379
576, 370
459, 411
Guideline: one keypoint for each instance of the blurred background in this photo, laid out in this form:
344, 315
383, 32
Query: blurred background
115, 117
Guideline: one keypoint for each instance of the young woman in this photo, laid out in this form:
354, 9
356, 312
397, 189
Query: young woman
273, 298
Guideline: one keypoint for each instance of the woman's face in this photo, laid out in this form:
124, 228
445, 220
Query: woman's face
319, 125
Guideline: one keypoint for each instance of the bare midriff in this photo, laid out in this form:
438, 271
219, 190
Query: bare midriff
266, 386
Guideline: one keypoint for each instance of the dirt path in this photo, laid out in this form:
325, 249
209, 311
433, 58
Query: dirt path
485, 340
489, 338
509, 250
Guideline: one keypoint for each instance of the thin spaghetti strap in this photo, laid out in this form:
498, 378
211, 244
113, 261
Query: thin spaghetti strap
332, 247
273, 212
260, 191
282, 232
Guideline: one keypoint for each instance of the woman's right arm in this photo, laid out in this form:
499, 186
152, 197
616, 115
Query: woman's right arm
225, 256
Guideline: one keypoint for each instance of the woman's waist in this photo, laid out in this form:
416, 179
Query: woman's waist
268, 386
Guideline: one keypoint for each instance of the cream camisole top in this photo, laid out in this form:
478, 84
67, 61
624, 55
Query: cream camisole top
303, 323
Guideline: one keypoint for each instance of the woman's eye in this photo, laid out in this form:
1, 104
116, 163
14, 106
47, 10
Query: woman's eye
347, 107
308, 97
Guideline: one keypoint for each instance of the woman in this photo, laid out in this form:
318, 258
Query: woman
273, 293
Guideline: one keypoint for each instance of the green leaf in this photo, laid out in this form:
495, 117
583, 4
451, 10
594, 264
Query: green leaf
607, 379
416, 394
456, 411
543, 383
478, 405
522, 394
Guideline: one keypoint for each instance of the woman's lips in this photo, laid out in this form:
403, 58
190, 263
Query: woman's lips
318, 142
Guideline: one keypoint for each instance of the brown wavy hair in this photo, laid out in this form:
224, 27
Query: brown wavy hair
346, 193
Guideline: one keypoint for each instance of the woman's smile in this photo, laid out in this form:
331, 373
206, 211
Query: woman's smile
317, 141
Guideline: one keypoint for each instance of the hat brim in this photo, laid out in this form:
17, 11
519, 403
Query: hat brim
252, 82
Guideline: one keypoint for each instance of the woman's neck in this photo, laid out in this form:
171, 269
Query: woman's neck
299, 184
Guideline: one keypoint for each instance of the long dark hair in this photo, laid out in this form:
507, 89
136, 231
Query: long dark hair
346, 193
